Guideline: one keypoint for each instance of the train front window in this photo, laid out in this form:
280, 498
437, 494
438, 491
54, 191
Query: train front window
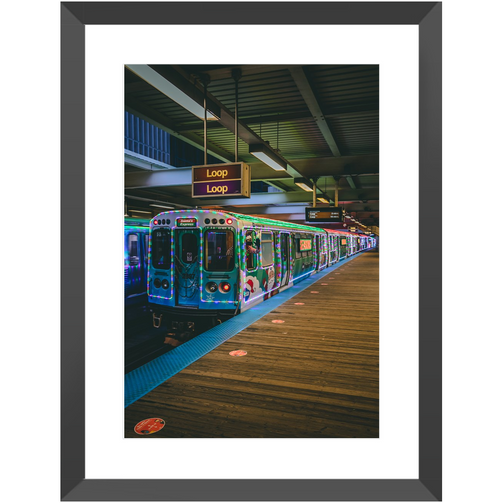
161, 249
190, 248
219, 250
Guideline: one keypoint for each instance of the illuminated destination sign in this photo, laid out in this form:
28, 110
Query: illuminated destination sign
221, 180
186, 222
326, 214
306, 244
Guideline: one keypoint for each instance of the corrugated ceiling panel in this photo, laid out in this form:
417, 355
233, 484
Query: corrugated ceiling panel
356, 134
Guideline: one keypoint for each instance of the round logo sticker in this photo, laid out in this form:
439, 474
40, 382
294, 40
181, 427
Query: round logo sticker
238, 352
148, 426
278, 321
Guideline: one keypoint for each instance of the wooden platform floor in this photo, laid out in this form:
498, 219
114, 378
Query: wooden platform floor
315, 375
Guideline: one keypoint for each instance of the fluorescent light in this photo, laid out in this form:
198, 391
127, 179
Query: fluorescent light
140, 211
322, 200
267, 156
303, 184
171, 91
165, 207
267, 160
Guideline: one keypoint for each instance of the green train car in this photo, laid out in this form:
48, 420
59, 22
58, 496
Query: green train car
219, 263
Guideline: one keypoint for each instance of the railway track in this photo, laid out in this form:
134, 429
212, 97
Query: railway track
144, 343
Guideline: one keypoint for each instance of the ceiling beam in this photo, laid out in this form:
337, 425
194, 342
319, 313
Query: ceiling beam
262, 199
260, 119
351, 182
163, 178
338, 166
285, 198
306, 90
220, 73
143, 162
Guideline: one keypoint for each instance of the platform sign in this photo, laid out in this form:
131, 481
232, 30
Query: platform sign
186, 222
324, 214
221, 180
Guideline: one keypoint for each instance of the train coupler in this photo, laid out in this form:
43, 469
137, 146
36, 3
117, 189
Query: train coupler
156, 320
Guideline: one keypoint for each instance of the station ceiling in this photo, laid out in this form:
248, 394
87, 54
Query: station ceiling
322, 120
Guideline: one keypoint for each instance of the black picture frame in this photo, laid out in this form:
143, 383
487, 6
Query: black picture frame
74, 17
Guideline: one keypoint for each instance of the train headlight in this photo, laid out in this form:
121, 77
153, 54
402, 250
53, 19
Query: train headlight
157, 283
211, 287
165, 284
225, 287
229, 221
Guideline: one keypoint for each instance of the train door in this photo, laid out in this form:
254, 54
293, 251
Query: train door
284, 239
323, 253
317, 254
187, 268
135, 269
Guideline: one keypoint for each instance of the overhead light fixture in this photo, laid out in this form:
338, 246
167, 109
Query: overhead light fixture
304, 184
161, 206
323, 200
140, 211
267, 156
172, 92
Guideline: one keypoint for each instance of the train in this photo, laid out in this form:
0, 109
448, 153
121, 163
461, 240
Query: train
220, 263
136, 244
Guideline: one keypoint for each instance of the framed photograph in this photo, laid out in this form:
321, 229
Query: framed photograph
97, 40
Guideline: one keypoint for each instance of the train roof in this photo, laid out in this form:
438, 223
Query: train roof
257, 220
248, 218
140, 222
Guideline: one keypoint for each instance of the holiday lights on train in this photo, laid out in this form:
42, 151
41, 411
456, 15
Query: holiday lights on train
220, 263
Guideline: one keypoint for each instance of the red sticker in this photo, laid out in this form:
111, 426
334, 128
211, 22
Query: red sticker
148, 426
238, 352
299, 303
278, 321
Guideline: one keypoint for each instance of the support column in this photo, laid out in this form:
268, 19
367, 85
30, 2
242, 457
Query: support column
314, 192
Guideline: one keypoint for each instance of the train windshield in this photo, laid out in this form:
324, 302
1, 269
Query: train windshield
161, 249
219, 250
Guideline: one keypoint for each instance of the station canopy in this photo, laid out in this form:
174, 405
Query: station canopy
320, 123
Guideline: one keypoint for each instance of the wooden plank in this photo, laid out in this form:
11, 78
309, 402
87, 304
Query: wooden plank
315, 375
